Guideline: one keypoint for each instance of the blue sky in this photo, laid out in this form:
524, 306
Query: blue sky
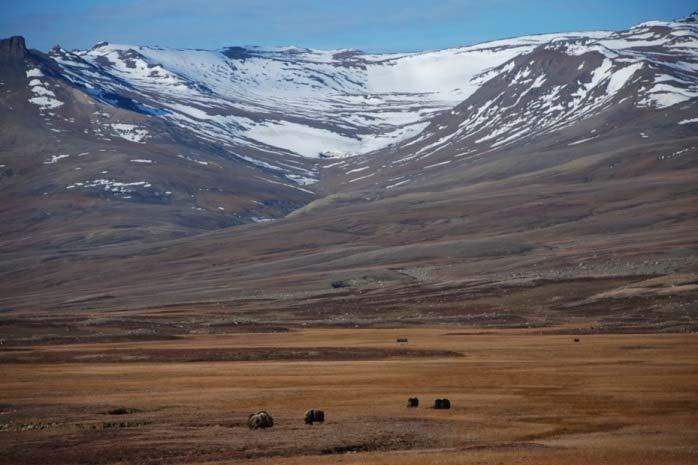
370, 25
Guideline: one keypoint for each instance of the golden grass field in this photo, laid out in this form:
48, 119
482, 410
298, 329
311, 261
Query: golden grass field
518, 397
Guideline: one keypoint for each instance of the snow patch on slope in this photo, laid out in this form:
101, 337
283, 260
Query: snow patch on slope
43, 97
130, 132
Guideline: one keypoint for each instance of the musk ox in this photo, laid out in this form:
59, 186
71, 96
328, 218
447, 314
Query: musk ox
413, 402
313, 416
260, 420
442, 404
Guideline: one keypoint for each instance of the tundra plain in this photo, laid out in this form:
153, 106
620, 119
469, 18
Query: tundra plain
526, 396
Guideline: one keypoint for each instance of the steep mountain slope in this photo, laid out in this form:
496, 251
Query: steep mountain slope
75, 172
480, 179
567, 92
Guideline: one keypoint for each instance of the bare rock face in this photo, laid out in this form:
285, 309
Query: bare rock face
12, 49
692, 18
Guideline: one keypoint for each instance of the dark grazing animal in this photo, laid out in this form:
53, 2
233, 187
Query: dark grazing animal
314, 416
122, 411
442, 404
413, 402
260, 420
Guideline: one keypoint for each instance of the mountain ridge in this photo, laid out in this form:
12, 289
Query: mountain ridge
290, 132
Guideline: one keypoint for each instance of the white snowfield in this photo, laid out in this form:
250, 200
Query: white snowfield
43, 97
34, 72
339, 103
129, 132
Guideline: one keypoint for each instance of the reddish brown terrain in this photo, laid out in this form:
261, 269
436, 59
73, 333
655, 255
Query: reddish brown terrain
518, 396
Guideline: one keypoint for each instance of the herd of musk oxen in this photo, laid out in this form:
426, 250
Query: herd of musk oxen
263, 420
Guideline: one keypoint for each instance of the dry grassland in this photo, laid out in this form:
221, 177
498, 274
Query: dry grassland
518, 397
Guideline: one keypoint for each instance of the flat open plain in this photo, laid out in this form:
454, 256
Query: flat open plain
518, 396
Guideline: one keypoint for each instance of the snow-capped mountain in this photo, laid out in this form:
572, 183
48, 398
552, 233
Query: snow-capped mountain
307, 102
568, 90
653, 65
248, 134
343, 102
